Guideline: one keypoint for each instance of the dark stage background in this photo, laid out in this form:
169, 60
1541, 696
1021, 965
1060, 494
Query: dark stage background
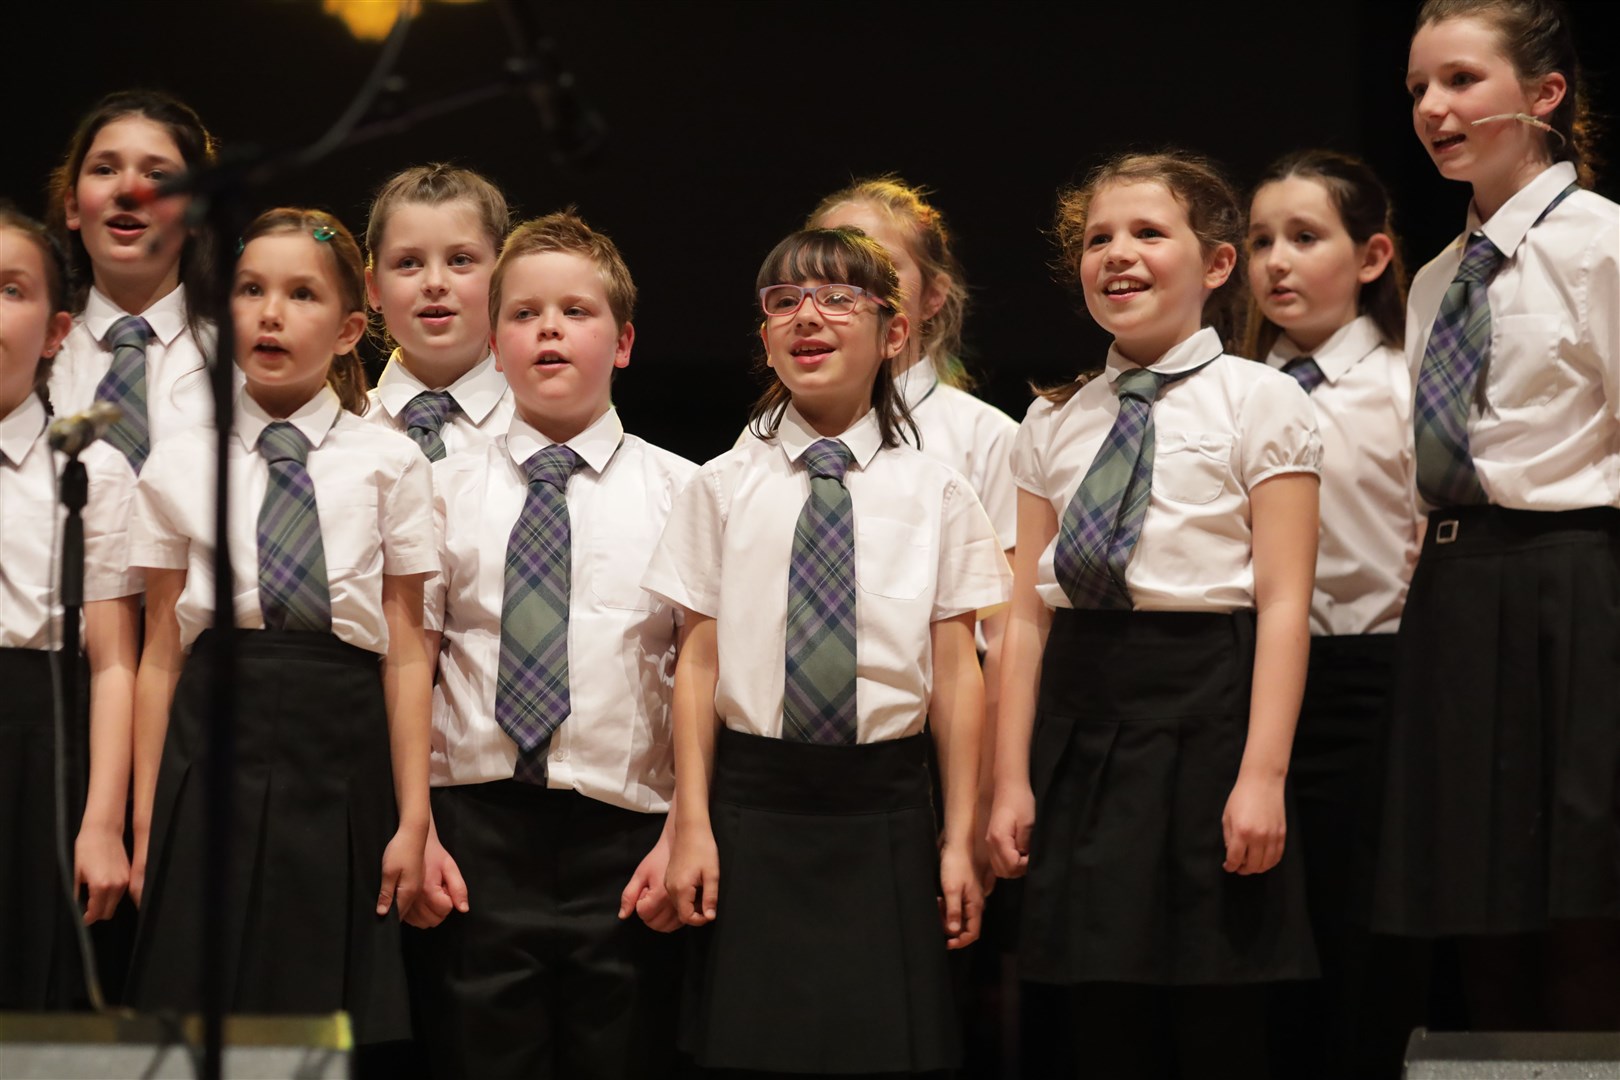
993, 106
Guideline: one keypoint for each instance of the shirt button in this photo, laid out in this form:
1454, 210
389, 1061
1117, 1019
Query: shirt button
560, 755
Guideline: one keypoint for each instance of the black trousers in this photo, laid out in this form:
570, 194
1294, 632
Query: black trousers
541, 978
1353, 1022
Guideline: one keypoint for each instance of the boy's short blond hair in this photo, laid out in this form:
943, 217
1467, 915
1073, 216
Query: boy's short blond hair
566, 231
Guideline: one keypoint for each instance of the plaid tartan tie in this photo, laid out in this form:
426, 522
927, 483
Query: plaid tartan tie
531, 691
424, 417
1103, 520
293, 591
818, 697
1452, 361
1457, 351
1306, 372
124, 385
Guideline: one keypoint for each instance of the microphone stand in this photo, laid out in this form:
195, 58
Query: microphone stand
217, 194
71, 736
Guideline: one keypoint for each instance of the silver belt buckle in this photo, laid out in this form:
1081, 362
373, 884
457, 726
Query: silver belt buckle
1446, 531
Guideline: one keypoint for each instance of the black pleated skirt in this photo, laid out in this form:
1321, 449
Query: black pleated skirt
1139, 731
1502, 806
827, 954
313, 807
39, 954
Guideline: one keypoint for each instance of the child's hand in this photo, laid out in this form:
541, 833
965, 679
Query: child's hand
100, 867
693, 877
1012, 818
647, 894
443, 889
1254, 825
402, 870
963, 900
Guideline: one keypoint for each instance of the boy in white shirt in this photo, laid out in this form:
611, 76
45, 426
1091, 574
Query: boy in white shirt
551, 766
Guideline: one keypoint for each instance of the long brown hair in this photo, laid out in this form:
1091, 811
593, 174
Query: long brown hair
57, 281
347, 375
197, 149
1538, 39
849, 257
1213, 213
1364, 209
928, 242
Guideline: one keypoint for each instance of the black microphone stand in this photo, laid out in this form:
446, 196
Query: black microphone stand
71, 735
218, 198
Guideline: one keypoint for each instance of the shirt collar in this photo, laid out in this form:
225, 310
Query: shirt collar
1348, 346
595, 445
19, 430
167, 317
1196, 351
476, 393
314, 417
1507, 226
917, 382
864, 437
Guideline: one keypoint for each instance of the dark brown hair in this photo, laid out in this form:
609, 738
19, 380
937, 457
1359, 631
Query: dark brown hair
1538, 39
848, 257
57, 282
566, 231
928, 242
197, 148
1364, 209
1213, 213
347, 375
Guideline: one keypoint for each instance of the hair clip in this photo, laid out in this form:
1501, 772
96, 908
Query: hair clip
323, 233
1524, 118
241, 245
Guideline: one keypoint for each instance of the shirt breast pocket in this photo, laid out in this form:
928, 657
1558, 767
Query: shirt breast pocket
892, 558
616, 563
351, 533
1524, 370
1191, 467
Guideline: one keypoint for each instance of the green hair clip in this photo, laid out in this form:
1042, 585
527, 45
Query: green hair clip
323, 233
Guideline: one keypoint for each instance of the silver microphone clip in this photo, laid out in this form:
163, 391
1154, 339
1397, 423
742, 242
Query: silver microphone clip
71, 434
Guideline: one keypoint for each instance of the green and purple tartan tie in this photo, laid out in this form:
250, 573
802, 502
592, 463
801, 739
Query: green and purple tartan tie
531, 690
818, 694
1306, 372
1452, 361
293, 590
124, 385
1103, 520
424, 416
1456, 353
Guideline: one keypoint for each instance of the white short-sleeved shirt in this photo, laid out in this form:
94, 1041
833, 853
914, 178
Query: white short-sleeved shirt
483, 399
924, 551
178, 394
1371, 525
1217, 433
971, 436
373, 493
615, 744
1547, 434
31, 518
